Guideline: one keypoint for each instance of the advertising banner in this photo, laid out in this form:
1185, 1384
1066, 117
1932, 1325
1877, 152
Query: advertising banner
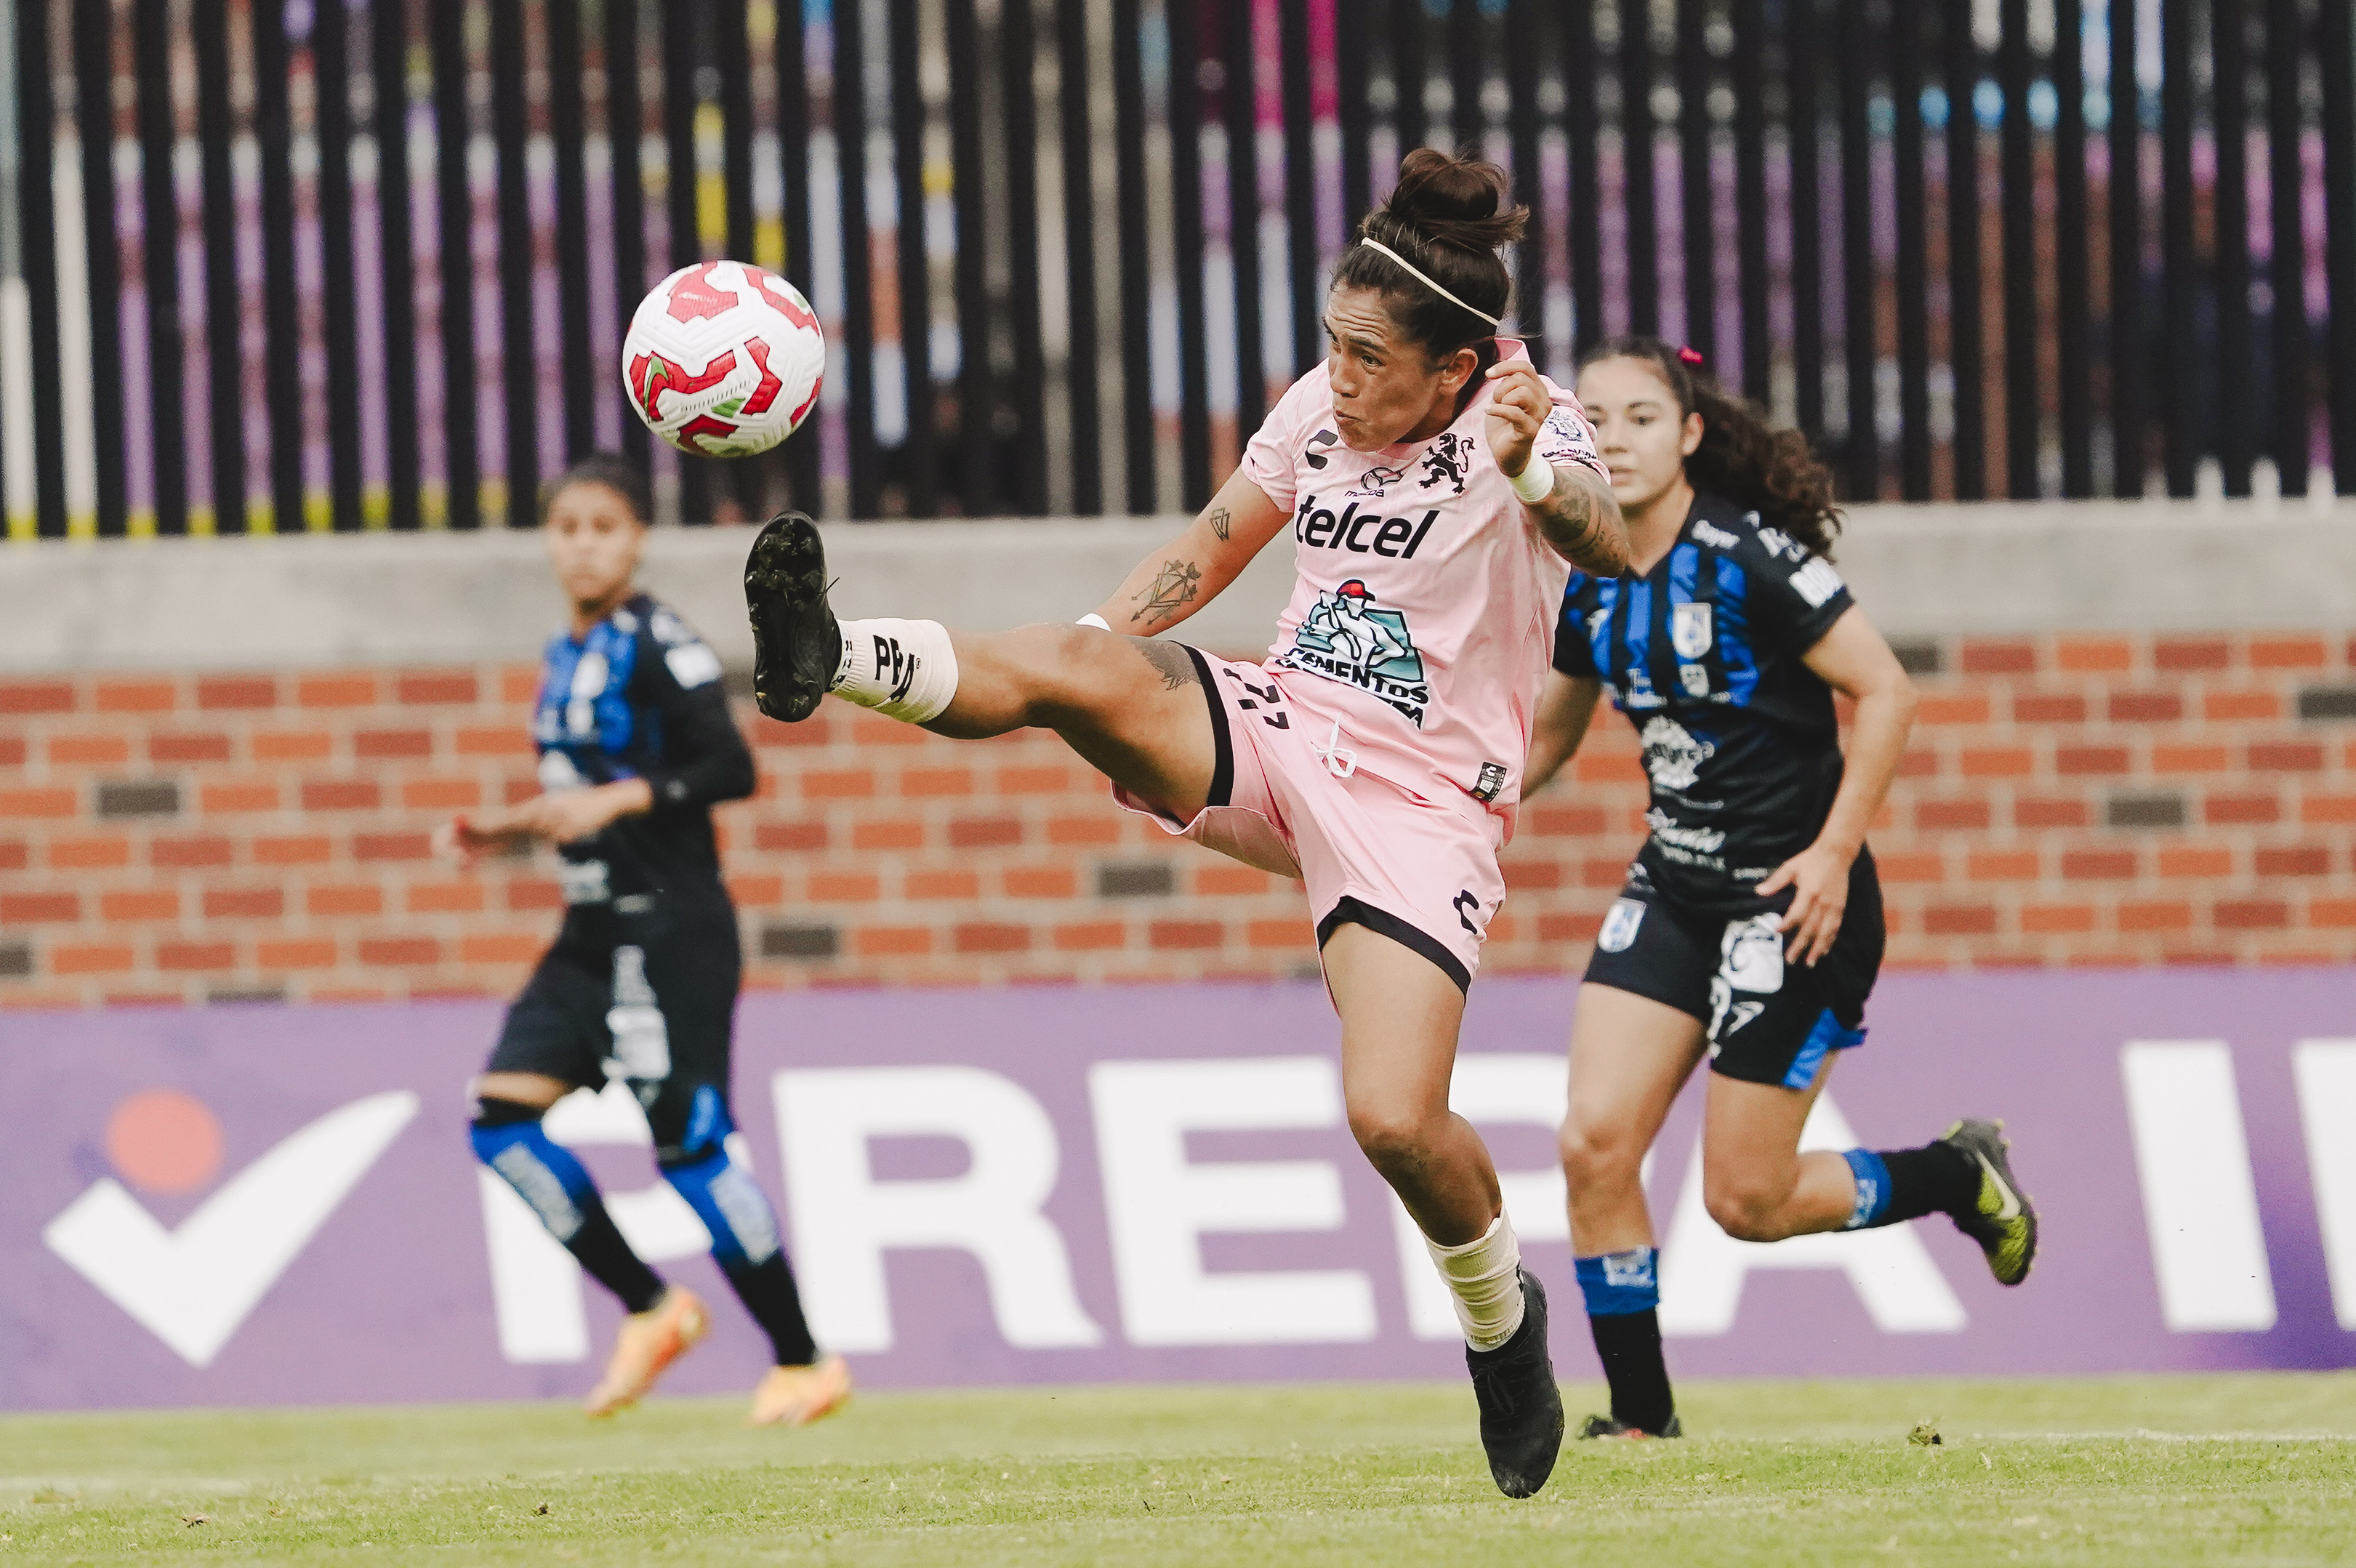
278, 1205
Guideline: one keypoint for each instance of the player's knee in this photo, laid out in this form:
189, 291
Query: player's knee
1394, 1138
1748, 1207
507, 1136
1597, 1151
1071, 669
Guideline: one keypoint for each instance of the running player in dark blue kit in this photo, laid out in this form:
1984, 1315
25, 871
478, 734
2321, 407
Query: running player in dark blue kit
636, 745
1751, 926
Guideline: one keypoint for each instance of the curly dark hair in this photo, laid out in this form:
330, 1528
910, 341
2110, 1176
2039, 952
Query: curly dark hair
1742, 456
1448, 216
613, 471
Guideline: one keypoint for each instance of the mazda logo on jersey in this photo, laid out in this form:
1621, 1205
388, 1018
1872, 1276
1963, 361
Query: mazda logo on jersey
1360, 531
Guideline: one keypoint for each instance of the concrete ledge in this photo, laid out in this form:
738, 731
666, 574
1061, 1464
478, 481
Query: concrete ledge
313, 600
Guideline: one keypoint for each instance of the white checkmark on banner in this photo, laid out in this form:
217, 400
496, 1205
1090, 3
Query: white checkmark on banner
191, 1287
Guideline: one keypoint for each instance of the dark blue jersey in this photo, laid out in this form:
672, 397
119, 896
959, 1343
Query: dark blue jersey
640, 697
1704, 653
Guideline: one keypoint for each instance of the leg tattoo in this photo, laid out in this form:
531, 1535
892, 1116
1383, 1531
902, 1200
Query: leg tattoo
1176, 664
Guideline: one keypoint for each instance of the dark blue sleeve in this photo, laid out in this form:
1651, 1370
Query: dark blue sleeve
703, 759
1790, 597
1572, 656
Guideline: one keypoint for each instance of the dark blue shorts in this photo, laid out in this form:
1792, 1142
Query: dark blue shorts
1769, 1021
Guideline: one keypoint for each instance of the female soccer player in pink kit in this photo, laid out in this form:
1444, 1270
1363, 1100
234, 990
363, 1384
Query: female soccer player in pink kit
1438, 491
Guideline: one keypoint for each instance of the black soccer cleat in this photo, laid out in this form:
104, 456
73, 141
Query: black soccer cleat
1521, 1408
2002, 1219
796, 646
1604, 1426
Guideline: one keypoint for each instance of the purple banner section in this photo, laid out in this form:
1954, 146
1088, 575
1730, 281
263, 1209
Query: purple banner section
268, 1204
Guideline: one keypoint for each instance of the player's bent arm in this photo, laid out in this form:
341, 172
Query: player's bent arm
1566, 708
1581, 519
1854, 659
1193, 569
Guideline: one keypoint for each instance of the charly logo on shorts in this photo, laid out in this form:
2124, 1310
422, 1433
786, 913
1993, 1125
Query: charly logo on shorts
1347, 637
1749, 960
1672, 755
1619, 924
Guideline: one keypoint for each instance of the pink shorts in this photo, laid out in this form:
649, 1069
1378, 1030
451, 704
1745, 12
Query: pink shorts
1422, 872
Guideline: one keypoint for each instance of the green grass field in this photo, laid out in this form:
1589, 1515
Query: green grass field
2247, 1469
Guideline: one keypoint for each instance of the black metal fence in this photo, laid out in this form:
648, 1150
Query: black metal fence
344, 264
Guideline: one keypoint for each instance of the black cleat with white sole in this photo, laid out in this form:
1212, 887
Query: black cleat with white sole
796, 646
2002, 1219
1521, 1408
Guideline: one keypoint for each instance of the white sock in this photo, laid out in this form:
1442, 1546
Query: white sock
1484, 1279
902, 669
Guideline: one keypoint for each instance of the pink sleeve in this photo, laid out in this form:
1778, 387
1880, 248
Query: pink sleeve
1566, 437
1269, 457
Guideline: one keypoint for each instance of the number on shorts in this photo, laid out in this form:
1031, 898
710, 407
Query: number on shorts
1467, 907
1269, 695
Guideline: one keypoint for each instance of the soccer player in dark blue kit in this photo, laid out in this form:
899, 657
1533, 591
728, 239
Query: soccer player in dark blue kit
636, 745
1751, 925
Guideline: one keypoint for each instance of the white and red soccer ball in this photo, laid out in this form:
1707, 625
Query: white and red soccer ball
723, 360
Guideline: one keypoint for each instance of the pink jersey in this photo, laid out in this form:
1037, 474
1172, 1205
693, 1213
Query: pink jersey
1424, 600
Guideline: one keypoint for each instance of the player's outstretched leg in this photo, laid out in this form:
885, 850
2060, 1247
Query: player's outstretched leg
691, 1126
664, 1322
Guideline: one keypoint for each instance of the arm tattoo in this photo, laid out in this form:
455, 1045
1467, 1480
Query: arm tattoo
1172, 588
1175, 665
1583, 525
1221, 524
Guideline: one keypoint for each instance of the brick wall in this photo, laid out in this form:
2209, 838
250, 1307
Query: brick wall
2067, 800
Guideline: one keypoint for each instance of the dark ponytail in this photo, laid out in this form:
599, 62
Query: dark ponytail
1742, 456
613, 471
1448, 218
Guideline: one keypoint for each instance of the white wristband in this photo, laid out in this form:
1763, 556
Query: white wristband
1094, 619
1535, 483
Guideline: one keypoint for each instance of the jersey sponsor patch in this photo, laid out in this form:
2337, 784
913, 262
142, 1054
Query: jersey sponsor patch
1619, 925
1817, 581
1564, 438
1361, 531
1672, 754
692, 664
1346, 636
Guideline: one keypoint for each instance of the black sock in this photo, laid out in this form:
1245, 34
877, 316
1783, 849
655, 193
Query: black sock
768, 1291
1628, 1344
605, 1257
595, 1244
1937, 1178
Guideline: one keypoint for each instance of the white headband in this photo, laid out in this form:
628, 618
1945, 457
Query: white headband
1429, 283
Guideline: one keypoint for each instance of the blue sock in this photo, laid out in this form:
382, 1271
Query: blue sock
1618, 1283
509, 1138
1872, 1205
1622, 1291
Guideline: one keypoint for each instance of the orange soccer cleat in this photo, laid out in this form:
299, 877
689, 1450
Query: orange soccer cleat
649, 1342
797, 1396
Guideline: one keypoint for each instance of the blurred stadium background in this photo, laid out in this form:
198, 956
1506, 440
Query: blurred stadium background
2067, 287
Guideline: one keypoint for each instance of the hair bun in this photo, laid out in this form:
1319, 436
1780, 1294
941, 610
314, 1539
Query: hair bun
1465, 202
